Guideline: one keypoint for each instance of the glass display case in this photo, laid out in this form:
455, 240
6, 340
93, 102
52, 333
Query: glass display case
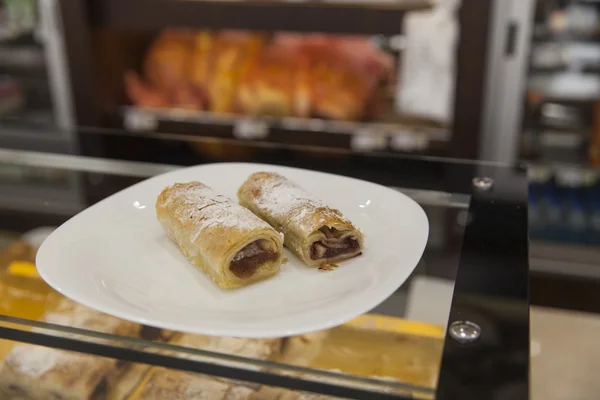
457, 328
403, 76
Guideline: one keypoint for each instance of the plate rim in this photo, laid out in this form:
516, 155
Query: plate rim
377, 297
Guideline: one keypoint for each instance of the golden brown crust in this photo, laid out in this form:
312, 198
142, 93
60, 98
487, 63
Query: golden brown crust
219, 62
337, 92
168, 384
275, 83
261, 349
168, 60
275, 393
176, 385
210, 229
123, 381
295, 213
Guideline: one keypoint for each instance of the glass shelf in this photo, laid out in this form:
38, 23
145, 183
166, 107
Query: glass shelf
474, 268
397, 133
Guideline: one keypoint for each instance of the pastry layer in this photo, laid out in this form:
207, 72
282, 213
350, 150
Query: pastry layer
316, 233
225, 240
176, 385
40, 373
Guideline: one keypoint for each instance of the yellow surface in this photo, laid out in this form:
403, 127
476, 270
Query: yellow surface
5, 346
399, 325
25, 297
409, 359
23, 293
23, 268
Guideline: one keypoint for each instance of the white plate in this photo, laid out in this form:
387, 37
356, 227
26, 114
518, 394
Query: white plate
115, 258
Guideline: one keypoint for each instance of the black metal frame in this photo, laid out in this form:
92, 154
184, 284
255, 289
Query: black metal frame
80, 16
133, 355
491, 289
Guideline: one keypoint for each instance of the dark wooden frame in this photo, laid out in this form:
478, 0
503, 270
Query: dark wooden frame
79, 16
475, 30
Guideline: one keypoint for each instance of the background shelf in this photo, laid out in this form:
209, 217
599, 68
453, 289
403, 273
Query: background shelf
575, 37
396, 133
302, 16
587, 69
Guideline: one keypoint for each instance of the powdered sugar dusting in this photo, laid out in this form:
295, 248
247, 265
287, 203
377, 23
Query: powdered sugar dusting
201, 207
286, 201
35, 361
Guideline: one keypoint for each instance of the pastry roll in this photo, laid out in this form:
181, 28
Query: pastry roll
175, 385
314, 232
41, 373
275, 84
275, 393
168, 61
123, 381
338, 90
162, 384
123, 385
226, 241
258, 349
219, 61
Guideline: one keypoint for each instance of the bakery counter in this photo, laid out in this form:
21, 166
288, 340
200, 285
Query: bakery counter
458, 327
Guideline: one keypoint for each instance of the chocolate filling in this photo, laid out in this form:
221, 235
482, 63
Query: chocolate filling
99, 392
17, 390
320, 249
247, 260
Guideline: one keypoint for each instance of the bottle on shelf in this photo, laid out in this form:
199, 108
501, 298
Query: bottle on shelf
594, 148
593, 200
538, 178
551, 210
574, 185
